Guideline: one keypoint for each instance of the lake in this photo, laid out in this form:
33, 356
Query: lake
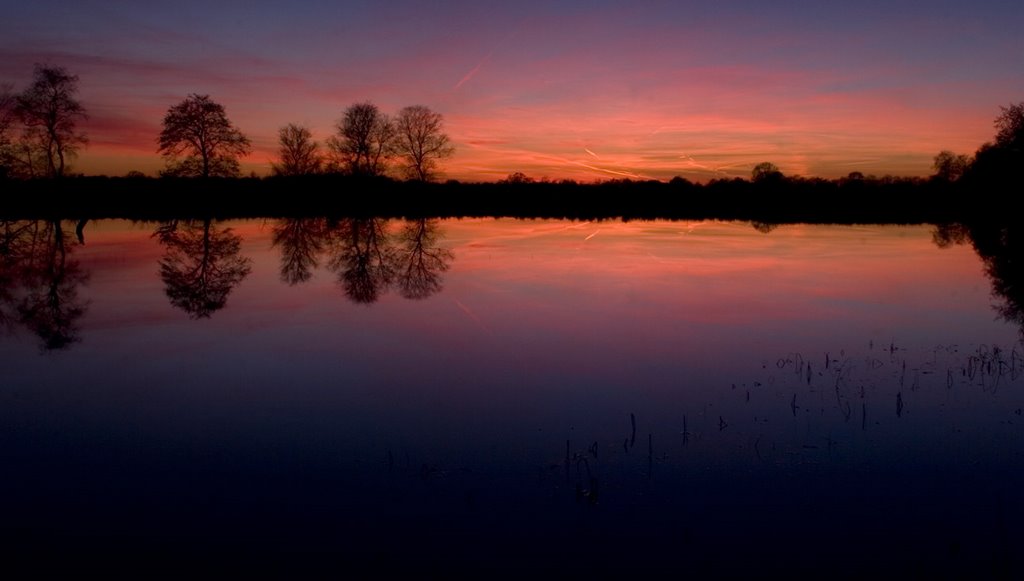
510, 397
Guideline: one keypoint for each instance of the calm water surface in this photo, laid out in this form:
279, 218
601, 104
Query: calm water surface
507, 396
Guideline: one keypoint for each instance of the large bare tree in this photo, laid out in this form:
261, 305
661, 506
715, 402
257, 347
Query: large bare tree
198, 140
365, 140
421, 141
49, 111
300, 155
7, 117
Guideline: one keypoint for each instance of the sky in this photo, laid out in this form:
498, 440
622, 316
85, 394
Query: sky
585, 90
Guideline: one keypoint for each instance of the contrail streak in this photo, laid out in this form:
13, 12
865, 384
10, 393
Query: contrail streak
473, 72
471, 315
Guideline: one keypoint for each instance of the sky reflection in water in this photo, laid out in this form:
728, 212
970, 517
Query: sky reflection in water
461, 390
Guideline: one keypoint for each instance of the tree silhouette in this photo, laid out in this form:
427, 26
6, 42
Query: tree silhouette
949, 166
201, 266
421, 141
299, 154
302, 240
8, 102
516, 178
1010, 126
17, 242
49, 111
198, 129
364, 141
1001, 250
39, 282
363, 258
420, 261
763, 227
996, 166
765, 171
366, 257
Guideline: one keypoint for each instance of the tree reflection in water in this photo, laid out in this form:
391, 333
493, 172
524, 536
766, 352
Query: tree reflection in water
302, 241
39, 282
363, 258
368, 255
420, 260
202, 264
1001, 249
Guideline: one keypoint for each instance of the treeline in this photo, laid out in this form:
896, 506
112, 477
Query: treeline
891, 200
354, 173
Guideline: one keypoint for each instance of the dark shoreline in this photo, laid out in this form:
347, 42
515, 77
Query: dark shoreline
904, 201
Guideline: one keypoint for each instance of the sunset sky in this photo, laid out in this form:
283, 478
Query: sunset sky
560, 89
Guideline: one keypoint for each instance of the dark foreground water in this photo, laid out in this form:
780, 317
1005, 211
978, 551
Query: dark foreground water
509, 398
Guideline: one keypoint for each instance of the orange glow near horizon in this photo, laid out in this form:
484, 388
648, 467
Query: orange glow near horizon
642, 148
580, 91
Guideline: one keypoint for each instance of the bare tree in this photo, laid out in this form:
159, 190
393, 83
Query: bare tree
49, 111
300, 155
199, 129
7, 118
421, 141
364, 141
7, 114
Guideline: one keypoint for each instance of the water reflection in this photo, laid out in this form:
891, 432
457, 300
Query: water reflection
662, 388
201, 265
421, 260
367, 255
301, 241
39, 282
362, 257
1002, 253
